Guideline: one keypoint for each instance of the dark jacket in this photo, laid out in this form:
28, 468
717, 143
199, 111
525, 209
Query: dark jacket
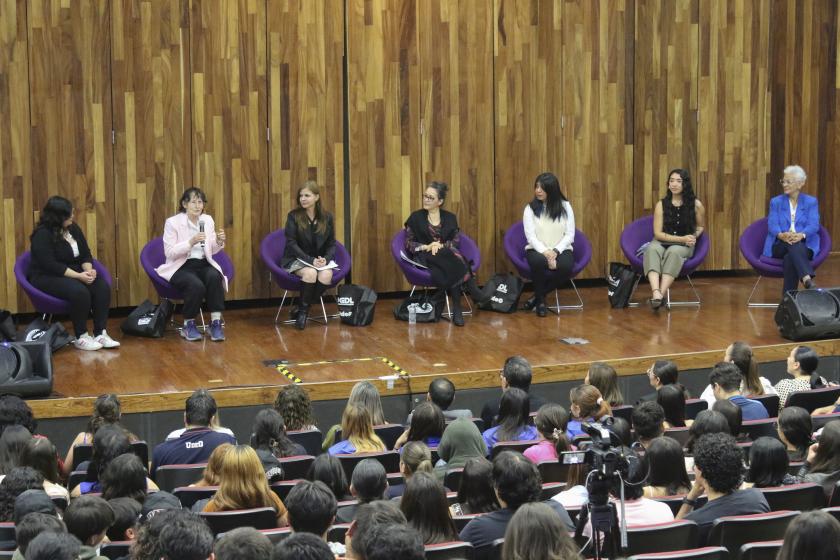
418, 223
51, 256
307, 244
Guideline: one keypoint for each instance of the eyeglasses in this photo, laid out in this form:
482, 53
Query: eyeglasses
788, 182
429, 197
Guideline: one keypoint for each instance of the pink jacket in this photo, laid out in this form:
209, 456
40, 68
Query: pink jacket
176, 245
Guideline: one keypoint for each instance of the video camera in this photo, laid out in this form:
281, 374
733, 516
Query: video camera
603, 454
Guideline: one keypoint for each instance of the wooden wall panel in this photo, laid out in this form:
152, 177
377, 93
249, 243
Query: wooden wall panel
805, 78
69, 73
528, 117
384, 117
152, 160
665, 96
229, 126
15, 171
306, 47
734, 129
598, 134
456, 83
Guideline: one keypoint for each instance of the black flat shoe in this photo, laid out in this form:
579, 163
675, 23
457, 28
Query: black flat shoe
809, 284
542, 310
457, 317
655, 303
300, 320
530, 304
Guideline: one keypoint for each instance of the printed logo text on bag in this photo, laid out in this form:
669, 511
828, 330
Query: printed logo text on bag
502, 288
345, 300
34, 335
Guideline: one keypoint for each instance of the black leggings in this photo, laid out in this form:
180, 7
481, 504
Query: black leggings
83, 299
198, 280
545, 279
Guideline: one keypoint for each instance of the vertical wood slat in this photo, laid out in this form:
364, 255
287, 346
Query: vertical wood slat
69, 73
17, 211
456, 70
151, 92
229, 114
384, 107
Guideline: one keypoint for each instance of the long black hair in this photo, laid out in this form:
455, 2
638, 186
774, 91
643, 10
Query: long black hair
670, 211
664, 461
768, 462
672, 400
796, 426
269, 432
554, 197
808, 361
513, 414
56, 211
475, 493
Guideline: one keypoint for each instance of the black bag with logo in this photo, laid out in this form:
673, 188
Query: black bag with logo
505, 290
148, 319
356, 304
426, 309
620, 282
55, 335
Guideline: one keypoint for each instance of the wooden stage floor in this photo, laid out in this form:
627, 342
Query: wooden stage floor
153, 374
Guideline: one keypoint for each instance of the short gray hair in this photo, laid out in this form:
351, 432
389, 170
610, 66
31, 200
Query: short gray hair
797, 172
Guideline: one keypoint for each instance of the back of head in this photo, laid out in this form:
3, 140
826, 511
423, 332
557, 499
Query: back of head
372, 515
106, 410
667, 371
300, 546
727, 376
797, 427
535, 531
327, 468
242, 481
394, 541
516, 479
126, 511
768, 462
369, 480
417, 457
706, 422
269, 432
13, 442
517, 373
442, 392
672, 400
808, 361
146, 544
665, 462
633, 483
125, 476
33, 501
551, 421
514, 409
311, 507
647, 419
427, 510
243, 543
87, 517
621, 428
200, 408
733, 414
13, 485
109, 442
40, 454
53, 546
811, 534
32, 525
191, 539
604, 378
590, 402
366, 395
295, 407
212, 472
827, 459
357, 428
742, 356
426, 421
720, 461
476, 488
15, 412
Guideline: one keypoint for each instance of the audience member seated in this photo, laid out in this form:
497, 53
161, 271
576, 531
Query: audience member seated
160, 510
13, 442
649, 422
665, 464
364, 394
830, 409
109, 442
13, 485
822, 465
125, 477
198, 440
311, 508
604, 378
294, 406
476, 493
551, 423
575, 494
795, 429
427, 425
802, 367
106, 410
718, 467
752, 384
516, 482
191, 539
213, 468
32, 501
587, 406
734, 417
243, 485
368, 483
513, 420
39, 454
414, 458
672, 400
621, 428
243, 543
811, 534
302, 546
15, 412
661, 373
426, 509
707, 422
357, 431
88, 519
387, 542
516, 373
442, 393
126, 511
269, 440
328, 470
31, 526
461, 441
536, 531
725, 379
768, 465
369, 517
55, 546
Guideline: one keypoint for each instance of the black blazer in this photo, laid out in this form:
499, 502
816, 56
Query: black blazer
306, 244
418, 223
52, 256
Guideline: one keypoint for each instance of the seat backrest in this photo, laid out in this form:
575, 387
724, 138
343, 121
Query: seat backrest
81, 452
75, 478
449, 550
462, 520
224, 521
679, 434
22, 268
170, 477
273, 246
736, 531
693, 407
553, 470
189, 495
519, 446
283, 487
834, 510
278, 534
452, 479
662, 537
814, 399
770, 402
704, 553
821, 420
338, 532
801, 497
635, 234
152, 255
389, 459
115, 549
389, 433
624, 411
766, 550
309, 439
760, 428
297, 466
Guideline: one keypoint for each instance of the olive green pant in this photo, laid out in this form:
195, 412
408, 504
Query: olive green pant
666, 260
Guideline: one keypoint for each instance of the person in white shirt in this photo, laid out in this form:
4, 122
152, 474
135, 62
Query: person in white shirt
741, 354
549, 225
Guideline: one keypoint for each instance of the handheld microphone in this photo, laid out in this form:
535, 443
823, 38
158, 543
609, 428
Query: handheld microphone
201, 230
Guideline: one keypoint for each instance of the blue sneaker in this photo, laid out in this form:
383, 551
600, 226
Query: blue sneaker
217, 333
190, 331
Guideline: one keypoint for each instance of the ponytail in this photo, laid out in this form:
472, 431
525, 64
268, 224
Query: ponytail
417, 457
590, 402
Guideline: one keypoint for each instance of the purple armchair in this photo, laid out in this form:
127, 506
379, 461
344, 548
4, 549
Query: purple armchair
420, 276
152, 256
751, 244
43, 302
271, 251
515, 242
639, 232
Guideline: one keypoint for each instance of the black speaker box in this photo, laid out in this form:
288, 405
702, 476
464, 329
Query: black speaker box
809, 314
26, 369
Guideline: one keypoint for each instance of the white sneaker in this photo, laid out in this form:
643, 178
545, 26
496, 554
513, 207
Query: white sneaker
86, 342
106, 341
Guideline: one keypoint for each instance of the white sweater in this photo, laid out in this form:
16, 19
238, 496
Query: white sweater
543, 233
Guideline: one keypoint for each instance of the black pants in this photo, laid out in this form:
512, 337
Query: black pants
796, 262
199, 281
543, 282
83, 299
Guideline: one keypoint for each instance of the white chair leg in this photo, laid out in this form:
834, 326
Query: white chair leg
632, 303
696, 301
750, 302
557, 307
280, 308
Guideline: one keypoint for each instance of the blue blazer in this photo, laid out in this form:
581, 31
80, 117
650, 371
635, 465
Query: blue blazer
807, 221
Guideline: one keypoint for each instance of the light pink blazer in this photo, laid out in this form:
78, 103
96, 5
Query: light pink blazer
176, 245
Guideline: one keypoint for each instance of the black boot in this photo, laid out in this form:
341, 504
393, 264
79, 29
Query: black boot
319, 291
478, 295
457, 313
306, 293
542, 310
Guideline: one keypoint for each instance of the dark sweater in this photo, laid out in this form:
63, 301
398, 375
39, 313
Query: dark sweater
52, 256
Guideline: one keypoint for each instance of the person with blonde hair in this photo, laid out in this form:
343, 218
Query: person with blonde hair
242, 485
214, 466
588, 405
536, 531
357, 431
366, 395
415, 457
